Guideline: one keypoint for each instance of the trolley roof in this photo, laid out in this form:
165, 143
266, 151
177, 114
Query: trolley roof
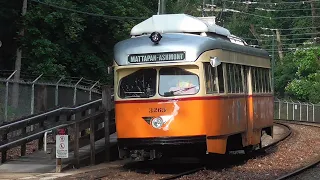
177, 23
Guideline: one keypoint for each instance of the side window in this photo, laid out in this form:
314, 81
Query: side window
220, 78
230, 78
235, 78
241, 76
253, 78
258, 80
263, 83
238, 79
268, 80
211, 82
214, 78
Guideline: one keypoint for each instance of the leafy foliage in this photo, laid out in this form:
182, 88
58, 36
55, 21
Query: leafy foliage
76, 37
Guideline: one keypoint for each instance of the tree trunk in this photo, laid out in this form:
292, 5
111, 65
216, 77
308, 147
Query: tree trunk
15, 88
279, 44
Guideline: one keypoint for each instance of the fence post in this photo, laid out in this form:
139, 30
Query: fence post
7, 96
307, 112
4, 151
56, 93
90, 93
300, 110
92, 142
279, 109
32, 93
106, 103
293, 107
41, 106
75, 92
32, 98
313, 111
76, 145
287, 110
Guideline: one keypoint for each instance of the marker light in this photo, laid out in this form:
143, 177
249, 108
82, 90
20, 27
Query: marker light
157, 122
155, 37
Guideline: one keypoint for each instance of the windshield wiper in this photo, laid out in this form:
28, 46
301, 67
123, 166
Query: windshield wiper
171, 93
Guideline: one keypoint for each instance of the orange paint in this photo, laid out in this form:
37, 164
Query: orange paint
213, 116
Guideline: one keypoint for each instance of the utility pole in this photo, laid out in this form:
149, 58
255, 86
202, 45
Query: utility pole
313, 13
272, 60
161, 7
15, 89
203, 8
279, 44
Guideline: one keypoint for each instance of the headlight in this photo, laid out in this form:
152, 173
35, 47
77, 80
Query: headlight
157, 122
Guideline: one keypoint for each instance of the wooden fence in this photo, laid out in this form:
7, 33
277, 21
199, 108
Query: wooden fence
86, 124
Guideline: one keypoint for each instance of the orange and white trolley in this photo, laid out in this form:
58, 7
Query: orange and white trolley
186, 86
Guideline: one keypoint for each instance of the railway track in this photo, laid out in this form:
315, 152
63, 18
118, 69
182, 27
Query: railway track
287, 134
149, 171
308, 165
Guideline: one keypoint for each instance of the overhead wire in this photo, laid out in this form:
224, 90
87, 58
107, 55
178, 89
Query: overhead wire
269, 3
297, 34
283, 10
88, 13
281, 39
289, 28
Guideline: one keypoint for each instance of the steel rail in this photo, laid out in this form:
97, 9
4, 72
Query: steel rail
285, 136
310, 164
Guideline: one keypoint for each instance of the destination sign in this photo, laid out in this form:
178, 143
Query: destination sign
156, 57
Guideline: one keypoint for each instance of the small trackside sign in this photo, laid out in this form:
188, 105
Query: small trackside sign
62, 146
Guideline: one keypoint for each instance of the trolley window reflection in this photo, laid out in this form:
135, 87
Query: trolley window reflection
176, 81
140, 84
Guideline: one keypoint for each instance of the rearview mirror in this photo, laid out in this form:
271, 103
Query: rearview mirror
214, 61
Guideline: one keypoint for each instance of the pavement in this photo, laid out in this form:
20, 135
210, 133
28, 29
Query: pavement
18, 169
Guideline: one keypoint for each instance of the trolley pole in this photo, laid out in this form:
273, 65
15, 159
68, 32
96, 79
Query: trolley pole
161, 7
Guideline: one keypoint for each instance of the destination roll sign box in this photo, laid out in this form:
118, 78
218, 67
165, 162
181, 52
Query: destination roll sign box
156, 57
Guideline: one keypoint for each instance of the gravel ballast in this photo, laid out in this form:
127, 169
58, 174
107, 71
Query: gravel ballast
301, 148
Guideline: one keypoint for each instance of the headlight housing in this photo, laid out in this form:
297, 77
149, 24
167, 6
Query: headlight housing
157, 122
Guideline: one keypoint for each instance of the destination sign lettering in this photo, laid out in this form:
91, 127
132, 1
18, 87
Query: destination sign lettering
156, 57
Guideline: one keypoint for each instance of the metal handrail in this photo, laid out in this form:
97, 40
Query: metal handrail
48, 113
36, 134
45, 140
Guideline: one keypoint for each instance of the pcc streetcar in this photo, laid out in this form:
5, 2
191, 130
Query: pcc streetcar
185, 86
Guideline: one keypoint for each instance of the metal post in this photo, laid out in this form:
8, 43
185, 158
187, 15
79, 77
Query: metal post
32, 98
313, 111
90, 92
293, 110
300, 110
45, 140
279, 109
56, 100
75, 92
7, 96
287, 110
307, 112
161, 7
32, 93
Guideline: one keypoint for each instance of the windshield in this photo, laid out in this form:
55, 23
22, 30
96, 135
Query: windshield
140, 84
176, 81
